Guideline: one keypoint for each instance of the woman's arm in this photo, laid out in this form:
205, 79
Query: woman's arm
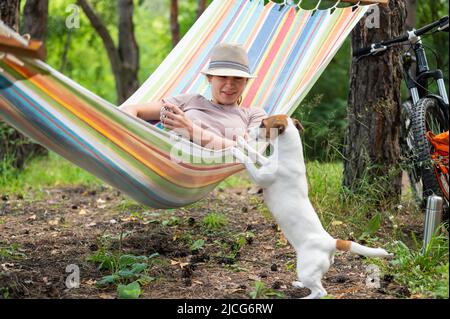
148, 111
175, 119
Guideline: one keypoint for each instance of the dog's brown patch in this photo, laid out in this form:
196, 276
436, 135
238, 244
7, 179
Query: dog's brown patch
298, 125
278, 122
343, 245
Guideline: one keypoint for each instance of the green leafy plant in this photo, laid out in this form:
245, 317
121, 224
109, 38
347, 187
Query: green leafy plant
197, 245
172, 221
423, 271
11, 252
128, 272
262, 292
372, 227
215, 221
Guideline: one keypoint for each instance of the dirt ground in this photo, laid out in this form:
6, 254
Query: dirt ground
40, 238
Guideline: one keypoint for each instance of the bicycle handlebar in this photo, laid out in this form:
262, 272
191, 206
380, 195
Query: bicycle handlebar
382, 46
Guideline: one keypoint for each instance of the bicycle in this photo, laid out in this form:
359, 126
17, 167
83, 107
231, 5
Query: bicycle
424, 114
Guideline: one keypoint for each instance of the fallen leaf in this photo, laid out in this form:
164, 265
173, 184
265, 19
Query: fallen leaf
90, 282
54, 222
337, 223
82, 212
267, 247
32, 217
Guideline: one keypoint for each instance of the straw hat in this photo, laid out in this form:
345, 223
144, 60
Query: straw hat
229, 60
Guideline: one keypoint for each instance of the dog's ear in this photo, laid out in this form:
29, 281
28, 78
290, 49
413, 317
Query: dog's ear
280, 125
298, 125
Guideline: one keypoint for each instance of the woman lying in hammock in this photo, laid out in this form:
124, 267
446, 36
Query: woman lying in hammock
211, 123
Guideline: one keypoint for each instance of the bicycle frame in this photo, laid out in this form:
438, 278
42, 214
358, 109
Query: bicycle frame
417, 82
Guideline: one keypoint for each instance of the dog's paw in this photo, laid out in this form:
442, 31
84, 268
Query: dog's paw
241, 142
298, 284
237, 154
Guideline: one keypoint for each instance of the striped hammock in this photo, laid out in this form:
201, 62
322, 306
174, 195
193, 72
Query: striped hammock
288, 47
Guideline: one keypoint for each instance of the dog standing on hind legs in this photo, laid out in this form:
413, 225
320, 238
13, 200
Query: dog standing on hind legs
282, 176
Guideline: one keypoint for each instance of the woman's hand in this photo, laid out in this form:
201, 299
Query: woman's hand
174, 118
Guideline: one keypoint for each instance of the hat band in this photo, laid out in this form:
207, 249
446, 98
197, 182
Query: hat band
228, 65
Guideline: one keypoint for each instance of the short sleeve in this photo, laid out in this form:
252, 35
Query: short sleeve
180, 100
256, 115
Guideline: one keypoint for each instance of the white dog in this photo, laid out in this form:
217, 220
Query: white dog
283, 179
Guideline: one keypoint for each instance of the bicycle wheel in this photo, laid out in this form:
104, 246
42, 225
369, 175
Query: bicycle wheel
408, 154
428, 116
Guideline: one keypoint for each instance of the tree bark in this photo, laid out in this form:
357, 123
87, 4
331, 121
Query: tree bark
372, 149
35, 18
201, 7
174, 25
124, 59
65, 51
411, 11
9, 13
14, 146
128, 49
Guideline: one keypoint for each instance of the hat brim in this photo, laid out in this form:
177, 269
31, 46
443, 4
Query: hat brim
228, 72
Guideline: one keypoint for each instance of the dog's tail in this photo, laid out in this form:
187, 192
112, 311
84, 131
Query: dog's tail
346, 245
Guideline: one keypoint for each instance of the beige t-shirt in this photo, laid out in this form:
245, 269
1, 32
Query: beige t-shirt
226, 121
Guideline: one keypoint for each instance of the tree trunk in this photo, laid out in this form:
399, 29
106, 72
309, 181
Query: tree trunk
201, 7
9, 13
128, 49
372, 149
124, 60
14, 147
174, 25
35, 18
65, 51
411, 14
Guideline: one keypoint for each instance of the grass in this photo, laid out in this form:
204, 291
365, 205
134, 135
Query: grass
214, 221
47, 171
342, 213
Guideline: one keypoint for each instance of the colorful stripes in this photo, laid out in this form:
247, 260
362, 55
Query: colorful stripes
288, 49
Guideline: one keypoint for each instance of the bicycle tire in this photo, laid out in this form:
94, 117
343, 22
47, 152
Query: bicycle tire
407, 148
428, 116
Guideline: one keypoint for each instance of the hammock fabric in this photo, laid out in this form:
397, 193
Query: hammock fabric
288, 46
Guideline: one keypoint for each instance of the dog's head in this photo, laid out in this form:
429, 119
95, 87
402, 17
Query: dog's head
273, 126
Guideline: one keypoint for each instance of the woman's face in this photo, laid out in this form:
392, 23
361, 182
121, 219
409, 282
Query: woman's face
226, 90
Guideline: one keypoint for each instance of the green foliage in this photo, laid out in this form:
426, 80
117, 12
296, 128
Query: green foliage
128, 272
172, 221
130, 291
11, 252
197, 245
423, 272
215, 221
260, 291
372, 227
46, 171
